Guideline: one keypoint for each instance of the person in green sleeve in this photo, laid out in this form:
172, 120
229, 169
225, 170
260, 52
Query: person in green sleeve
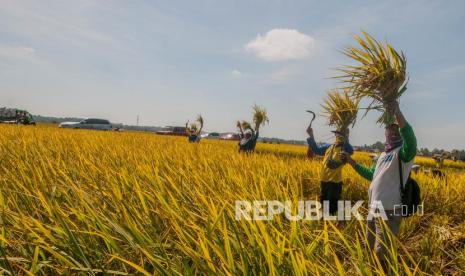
384, 189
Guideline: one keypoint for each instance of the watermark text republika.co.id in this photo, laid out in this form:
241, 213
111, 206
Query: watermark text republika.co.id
313, 210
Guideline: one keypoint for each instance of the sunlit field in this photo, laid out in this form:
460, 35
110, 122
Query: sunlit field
76, 201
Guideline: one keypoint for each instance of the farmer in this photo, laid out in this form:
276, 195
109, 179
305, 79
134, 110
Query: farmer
248, 141
439, 160
331, 170
248, 132
194, 132
384, 189
193, 136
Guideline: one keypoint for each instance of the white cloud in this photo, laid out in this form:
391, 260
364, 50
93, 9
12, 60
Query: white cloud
236, 73
282, 44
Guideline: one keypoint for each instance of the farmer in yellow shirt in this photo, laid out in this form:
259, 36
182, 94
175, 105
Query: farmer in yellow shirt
331, 169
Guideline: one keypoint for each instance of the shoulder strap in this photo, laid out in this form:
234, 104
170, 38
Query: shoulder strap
401, 177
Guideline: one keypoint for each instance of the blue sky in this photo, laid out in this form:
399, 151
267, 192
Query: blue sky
168, 61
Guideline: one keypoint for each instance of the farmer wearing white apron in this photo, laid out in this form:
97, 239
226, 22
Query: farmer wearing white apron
385, 177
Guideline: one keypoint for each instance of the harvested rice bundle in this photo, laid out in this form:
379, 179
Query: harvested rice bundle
244, 126
340, 109
380, 74
260, 117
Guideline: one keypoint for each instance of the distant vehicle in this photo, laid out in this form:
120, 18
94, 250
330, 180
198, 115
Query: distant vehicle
16, 116
89, 123
230, 136
211, 135
173, 130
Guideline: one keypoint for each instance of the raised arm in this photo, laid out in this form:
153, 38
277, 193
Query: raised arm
188, 130
241, 131
318, 150
408, 151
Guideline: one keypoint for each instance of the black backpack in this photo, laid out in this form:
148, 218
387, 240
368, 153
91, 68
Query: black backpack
410, 194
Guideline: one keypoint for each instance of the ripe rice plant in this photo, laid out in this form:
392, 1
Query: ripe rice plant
243, 126
340, 109
380, 74
125, 203
193, 127
260, 117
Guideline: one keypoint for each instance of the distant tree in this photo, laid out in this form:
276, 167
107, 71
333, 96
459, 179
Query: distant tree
378, 145
424, 152
459, 154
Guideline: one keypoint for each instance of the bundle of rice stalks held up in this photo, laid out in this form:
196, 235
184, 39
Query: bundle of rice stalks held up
193, 127
200, 121
380, 74
340, 109
244, 126
260, 117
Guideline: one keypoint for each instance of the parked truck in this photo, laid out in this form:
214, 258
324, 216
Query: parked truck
173, 130
16, 116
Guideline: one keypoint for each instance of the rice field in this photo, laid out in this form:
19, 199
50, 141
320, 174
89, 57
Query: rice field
124, 203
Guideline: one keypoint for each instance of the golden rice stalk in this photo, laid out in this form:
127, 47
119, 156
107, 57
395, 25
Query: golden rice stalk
193, 128
340, 109
244, 126
260, 117
380, 74
200, 121
239, 127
